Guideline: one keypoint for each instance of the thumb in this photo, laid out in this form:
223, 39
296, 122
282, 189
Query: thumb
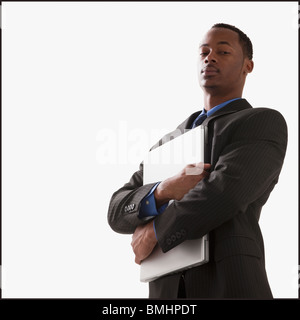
202, 165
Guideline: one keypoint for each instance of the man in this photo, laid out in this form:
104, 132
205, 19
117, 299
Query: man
245, 152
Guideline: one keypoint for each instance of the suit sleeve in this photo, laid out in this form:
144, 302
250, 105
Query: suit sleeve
125, 203
246, 171
123, 211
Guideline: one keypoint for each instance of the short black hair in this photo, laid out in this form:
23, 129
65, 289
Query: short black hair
244, 39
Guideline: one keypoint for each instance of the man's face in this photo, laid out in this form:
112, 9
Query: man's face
221, 63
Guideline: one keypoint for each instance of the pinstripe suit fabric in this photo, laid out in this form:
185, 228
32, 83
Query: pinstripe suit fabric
246, 148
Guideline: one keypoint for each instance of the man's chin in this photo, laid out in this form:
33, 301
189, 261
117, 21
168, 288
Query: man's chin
209, 86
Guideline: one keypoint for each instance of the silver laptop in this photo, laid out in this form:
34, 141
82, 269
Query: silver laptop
161, 163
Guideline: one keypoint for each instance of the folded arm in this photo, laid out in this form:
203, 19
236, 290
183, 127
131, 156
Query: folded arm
174, 188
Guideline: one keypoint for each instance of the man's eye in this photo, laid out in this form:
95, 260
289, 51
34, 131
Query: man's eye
203, 53
224, 52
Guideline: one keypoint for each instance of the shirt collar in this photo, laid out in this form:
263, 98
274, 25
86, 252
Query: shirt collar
218, 107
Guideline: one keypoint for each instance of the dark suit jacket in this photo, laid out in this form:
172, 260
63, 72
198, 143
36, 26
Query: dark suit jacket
246, 148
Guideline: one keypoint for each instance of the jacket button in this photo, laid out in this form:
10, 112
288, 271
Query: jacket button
173, 237
183, 232
178, 235
169, 241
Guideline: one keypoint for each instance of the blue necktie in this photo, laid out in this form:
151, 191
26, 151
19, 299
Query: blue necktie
199, 120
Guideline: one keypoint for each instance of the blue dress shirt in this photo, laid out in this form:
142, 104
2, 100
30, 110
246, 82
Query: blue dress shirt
148, 207
213, 110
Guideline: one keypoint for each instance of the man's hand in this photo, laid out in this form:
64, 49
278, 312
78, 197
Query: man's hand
174, 188
143, 241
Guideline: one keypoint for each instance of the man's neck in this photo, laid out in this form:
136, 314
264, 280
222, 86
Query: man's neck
211, 101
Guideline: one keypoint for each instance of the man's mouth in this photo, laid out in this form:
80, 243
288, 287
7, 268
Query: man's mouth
209, 70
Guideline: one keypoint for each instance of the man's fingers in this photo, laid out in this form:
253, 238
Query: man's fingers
137, 261
193, 171
143, 241
196, 168
202, 165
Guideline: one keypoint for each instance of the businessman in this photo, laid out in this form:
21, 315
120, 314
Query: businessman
244, 155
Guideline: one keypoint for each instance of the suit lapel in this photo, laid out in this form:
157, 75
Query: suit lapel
234, 106
187, 124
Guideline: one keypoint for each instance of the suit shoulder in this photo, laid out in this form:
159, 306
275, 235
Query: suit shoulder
264, 110
263, 113
262, 123
267, 113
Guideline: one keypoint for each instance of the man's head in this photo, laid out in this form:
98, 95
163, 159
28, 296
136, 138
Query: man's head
245, 42
225, 59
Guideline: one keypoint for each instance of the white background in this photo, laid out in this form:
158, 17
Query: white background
88, 88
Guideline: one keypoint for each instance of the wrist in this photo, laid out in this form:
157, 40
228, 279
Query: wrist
151, 234
160, 196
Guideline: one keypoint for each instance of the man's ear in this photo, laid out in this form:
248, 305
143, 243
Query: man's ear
249, 65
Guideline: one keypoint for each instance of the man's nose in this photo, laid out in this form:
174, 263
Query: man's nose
211, 57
